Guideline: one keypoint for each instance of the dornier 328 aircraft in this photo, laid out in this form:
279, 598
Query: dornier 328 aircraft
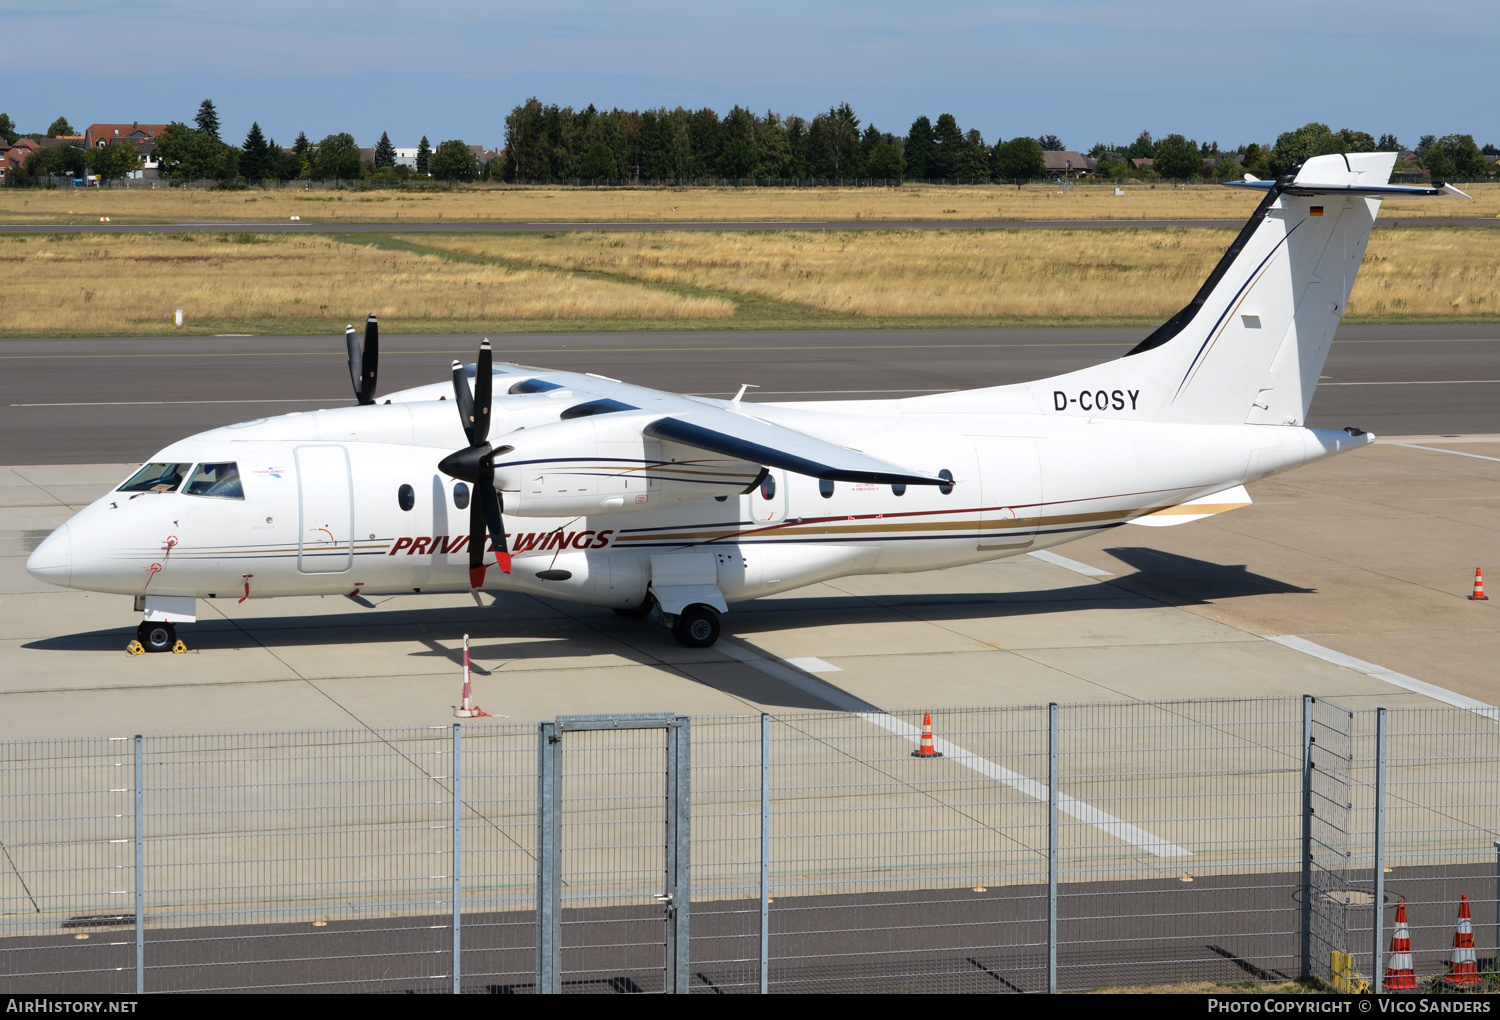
591, 490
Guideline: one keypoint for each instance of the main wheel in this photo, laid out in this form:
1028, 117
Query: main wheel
697, 626
156, 637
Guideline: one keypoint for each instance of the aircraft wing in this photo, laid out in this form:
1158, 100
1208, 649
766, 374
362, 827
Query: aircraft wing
760, 442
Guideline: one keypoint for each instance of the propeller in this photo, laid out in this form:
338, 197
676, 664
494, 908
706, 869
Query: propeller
364, 360
474, 464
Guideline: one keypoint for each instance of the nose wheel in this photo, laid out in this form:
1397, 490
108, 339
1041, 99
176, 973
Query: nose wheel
156, 637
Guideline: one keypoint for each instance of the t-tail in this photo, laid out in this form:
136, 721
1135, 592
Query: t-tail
1249, 347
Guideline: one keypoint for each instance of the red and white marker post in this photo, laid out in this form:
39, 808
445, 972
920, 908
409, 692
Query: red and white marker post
468, 710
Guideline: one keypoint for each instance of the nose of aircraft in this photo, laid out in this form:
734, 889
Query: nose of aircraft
53, 559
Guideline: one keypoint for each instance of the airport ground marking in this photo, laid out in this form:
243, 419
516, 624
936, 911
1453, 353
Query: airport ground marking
1389, 676
1456, 453
843, 700
1062, 561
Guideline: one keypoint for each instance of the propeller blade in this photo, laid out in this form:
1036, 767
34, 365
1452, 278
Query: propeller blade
484, 379
465, 401
352, 342
476, 543
369, 363
492, 516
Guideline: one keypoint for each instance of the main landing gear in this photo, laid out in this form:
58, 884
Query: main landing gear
156, 637
697, 626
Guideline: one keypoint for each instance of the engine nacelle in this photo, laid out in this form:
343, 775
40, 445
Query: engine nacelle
603, 464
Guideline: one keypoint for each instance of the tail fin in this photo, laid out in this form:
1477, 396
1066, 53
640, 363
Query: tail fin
1250, 345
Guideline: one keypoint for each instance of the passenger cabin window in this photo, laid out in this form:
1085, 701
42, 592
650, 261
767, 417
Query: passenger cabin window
407, 497
825, 488
898, 489
156, 477
604, 406
461, 495
768, 487
947, 477
222, 481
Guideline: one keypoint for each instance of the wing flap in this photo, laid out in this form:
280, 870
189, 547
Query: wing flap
760, 442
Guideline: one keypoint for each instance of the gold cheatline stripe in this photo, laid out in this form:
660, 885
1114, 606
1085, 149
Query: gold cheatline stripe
1198, 509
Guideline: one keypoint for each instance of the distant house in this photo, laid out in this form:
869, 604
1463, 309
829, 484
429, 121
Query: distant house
408, 157
1067, 163
1141, 164
19, 152
61, 140
4, 157
144, 137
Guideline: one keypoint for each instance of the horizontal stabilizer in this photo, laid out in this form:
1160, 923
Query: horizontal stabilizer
760, 442
1196, 509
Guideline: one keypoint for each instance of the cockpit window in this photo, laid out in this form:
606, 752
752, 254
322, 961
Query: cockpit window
219, 480
156, 477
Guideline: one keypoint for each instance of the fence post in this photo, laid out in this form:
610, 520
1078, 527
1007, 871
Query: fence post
1052, 848
548, 857
765, 853
1305, 971
140, 870
1379, 925
457, 857
1497, 904
679, 849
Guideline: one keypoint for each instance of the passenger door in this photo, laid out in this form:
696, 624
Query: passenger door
1010, 473
325, 492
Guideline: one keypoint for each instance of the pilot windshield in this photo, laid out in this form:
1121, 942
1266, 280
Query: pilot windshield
156, 477
221, 480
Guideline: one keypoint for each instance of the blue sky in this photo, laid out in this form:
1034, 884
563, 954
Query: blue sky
1087, 71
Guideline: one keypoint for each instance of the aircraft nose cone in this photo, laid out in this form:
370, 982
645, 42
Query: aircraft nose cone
53, 559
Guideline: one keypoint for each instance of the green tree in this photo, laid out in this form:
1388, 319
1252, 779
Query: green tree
1455, 156
385, 153
338, 158
948, 144
454, 161
600, 163
188, 155
424, 156
207, 121
838, 133
1255, 162
887, 162
1142, 148
60, 127
1295, 147
1019, 159
8, 129
919, 148
1178, 158
1388, 143
54, 161
1051, 143
974, 158
737, 159
114, 161
257, 162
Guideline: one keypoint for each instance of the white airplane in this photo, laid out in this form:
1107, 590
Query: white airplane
596, 491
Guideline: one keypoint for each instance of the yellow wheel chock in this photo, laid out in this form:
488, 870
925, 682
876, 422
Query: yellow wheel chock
179, 647
134, 648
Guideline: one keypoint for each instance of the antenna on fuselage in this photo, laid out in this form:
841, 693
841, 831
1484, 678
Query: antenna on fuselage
364, 359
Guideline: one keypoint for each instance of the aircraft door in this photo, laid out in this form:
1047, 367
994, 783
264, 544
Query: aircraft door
767, 502
1010, 473
325, 491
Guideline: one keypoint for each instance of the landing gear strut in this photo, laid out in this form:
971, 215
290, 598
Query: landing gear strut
156, 637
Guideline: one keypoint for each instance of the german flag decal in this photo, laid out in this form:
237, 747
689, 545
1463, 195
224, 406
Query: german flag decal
1316, 210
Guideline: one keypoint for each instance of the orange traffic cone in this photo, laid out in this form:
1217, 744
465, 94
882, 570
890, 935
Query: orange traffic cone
1462, 970
926, 750
1399, 975
1479, 595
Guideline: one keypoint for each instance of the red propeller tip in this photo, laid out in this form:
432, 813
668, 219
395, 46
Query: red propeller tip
476, 576
503, 558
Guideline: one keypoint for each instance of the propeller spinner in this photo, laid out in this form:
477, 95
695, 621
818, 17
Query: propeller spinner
364, 360
474, 465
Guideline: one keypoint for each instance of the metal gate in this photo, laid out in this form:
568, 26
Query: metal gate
612, 869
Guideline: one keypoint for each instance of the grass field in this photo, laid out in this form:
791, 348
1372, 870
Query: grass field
483, 204
257, 283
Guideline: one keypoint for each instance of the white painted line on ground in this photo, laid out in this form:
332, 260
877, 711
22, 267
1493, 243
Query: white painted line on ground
1456, 453
1067, 564
1071, 806
1389, 676
813, 664
1417, 382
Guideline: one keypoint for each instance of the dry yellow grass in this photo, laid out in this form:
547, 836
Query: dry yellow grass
83, 284
497, 203
1023, 275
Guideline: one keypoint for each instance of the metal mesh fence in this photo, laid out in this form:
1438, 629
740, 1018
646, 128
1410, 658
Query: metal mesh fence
818, 851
